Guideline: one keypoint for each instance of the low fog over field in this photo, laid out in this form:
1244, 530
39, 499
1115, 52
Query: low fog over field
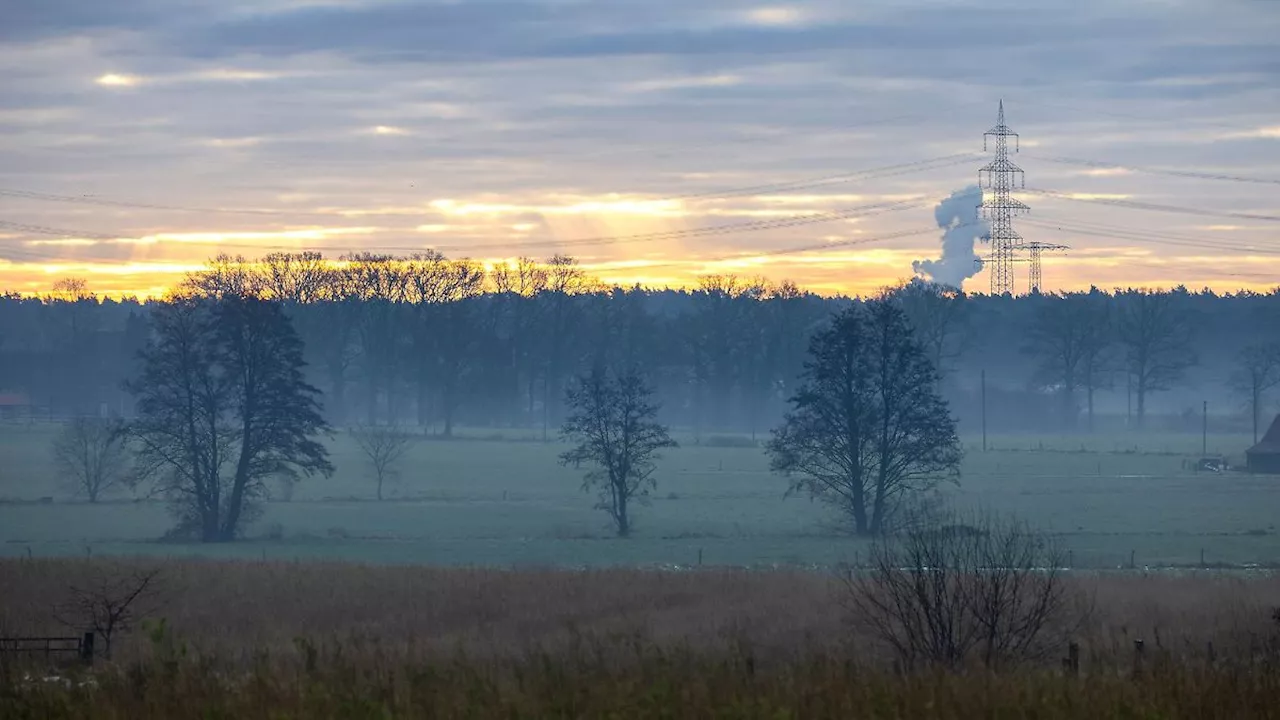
437, 407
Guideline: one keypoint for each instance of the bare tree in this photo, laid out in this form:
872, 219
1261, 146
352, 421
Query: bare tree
93, 455
868, 429
1257, 371
1156, 335
71, 289
384, 447
112, 601
295, 277
939, 318
963, 590
611, 421
222, 408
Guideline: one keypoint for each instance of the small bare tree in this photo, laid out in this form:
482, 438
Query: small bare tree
611, 421
988, 591
384, 447
1257, 371
92, 454
111, 602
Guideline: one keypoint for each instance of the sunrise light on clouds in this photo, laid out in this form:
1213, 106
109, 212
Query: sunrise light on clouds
654, 143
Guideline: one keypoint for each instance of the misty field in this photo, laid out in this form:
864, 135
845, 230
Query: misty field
485, 500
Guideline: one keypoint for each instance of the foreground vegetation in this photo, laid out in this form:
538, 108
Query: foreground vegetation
247, 640
654, 685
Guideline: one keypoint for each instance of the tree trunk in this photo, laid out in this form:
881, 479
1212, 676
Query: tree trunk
859, 508
1141, 392
1253, 407
236, 501
624, 522
424, 416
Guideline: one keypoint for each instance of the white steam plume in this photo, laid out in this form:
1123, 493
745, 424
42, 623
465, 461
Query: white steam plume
958, 215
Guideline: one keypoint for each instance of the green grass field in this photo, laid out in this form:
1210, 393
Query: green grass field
494, 502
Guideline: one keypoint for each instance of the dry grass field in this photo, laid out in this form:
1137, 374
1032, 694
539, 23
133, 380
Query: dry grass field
284, 640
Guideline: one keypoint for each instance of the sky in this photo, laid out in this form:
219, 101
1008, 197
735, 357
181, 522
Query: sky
655, 140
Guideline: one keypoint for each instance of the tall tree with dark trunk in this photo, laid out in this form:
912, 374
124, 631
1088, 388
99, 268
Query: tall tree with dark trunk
1257, 371
612, 423
222, 407
1156, 336
867, 429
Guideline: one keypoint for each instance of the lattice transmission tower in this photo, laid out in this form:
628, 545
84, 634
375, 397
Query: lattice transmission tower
1034, 249
998, 180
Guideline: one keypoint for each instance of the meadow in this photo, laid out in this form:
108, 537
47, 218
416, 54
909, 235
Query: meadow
501, 499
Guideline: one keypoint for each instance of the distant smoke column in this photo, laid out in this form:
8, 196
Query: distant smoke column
958, 215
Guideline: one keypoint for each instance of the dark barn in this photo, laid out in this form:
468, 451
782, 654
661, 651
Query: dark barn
1265, 456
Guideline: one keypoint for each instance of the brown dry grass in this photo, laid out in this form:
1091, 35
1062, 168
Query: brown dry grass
233, 610
327, 640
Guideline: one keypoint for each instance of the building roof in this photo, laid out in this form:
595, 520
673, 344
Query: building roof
13, 400
1270, 443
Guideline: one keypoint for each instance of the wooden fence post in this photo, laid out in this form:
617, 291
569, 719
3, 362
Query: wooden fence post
1073, 658
86, 648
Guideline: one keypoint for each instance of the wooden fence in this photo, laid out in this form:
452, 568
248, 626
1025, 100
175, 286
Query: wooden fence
81, 648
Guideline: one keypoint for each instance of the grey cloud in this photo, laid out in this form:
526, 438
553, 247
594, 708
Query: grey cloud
546, 86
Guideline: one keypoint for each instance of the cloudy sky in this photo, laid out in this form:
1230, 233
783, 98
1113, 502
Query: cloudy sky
656, 140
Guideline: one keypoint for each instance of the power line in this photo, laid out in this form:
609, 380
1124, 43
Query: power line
1092, 229
90, 200
1135, 205
884, 171
750, 226
927, 164
775, 223
1158, 171
803, 248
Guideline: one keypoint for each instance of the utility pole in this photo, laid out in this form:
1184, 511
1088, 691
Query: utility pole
984, 410
1204, 432
997, 179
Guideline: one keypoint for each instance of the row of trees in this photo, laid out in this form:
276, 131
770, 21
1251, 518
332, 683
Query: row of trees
223, 407
436, 342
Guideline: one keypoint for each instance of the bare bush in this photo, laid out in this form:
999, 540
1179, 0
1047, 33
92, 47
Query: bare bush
963, 590
111, 601
383, 446
92, 454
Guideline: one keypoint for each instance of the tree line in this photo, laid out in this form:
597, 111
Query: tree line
223, 409
435, 342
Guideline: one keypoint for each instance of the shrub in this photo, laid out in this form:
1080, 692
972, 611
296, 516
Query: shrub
965, 590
